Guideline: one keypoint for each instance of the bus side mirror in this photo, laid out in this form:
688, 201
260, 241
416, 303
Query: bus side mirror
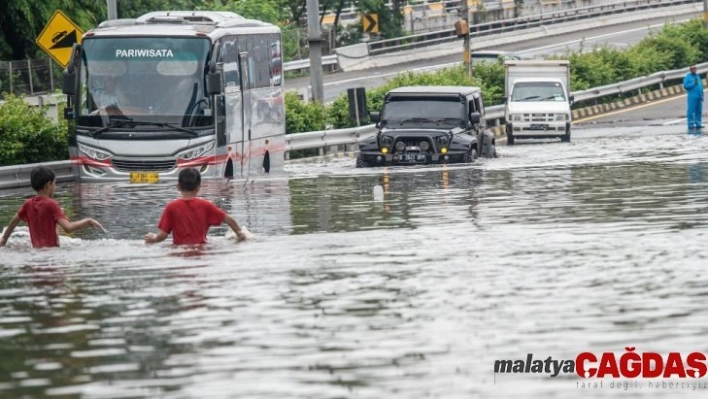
68, 85
214, 83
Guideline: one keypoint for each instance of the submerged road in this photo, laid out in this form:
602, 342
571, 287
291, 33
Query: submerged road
615, 35
551, 250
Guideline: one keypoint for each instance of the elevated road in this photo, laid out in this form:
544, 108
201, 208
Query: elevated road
616, 35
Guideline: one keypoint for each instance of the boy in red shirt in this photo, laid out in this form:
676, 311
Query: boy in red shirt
42, 213
189, 218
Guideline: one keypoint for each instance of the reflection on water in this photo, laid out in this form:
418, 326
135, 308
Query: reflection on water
410, 290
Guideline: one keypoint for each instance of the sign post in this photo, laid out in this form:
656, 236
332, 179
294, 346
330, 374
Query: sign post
58, 37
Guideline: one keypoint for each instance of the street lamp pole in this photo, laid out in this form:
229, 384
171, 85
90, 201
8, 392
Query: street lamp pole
112, 9
467, 61
314, 39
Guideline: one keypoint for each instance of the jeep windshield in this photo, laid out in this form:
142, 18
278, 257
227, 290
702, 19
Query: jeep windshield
423, 112
538, 91
150, 80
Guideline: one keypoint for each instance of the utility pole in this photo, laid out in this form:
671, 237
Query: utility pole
314, 39
467, 60
112, 9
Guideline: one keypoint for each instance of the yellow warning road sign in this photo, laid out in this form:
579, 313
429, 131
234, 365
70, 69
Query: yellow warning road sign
58, 37
370, 23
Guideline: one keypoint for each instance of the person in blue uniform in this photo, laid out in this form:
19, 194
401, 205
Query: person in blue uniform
694, 90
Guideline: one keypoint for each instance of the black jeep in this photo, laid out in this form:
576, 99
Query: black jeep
428, 125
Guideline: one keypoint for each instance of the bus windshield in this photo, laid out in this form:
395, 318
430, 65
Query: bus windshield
144, 79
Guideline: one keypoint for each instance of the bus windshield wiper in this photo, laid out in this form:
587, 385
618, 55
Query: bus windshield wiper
123, 122
109, 127
167, 125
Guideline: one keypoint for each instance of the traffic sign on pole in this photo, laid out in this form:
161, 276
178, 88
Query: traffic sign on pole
58, 37
370, 23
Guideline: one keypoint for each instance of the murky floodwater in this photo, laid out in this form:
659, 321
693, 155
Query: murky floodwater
552, 250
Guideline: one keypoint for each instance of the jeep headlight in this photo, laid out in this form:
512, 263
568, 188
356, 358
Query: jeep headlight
442, 140
94, 153
386, 141
195, 152
561, 117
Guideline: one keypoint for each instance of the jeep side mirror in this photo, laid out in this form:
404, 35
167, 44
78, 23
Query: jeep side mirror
214, 83
475, 118
68, 84
375, 116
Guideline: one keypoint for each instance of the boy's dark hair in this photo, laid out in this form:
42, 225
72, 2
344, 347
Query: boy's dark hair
189, 179
40, 176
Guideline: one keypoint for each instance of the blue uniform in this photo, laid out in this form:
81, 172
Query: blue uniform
694, 88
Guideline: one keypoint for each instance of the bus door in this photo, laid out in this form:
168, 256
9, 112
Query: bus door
246, 86
233, 107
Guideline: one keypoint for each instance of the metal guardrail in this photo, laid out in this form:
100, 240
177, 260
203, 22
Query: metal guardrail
304, 64
348, 136
19, 175
531, 21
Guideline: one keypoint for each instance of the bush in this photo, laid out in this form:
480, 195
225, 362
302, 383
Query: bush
301, 116
28, 136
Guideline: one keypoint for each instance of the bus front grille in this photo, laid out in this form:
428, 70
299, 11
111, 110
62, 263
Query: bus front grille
124, 165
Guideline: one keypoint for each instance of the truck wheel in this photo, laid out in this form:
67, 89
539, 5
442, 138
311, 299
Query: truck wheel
471, 156
566, 137
509, 134
360, 163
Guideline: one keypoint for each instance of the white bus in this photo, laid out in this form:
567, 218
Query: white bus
176, 89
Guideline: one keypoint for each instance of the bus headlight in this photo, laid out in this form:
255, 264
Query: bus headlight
94, 153
195, 152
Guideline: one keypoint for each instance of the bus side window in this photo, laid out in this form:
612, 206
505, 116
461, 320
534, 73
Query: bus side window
229, 58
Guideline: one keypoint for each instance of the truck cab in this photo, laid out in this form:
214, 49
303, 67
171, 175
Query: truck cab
428, 125
537, 99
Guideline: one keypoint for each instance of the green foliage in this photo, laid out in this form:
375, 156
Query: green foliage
301, 116
28, 136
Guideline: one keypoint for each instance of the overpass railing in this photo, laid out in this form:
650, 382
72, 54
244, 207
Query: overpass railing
324, 139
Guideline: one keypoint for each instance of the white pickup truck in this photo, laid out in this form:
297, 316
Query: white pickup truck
537, 98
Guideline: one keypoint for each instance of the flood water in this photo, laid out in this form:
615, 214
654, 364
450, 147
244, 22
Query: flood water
412, 292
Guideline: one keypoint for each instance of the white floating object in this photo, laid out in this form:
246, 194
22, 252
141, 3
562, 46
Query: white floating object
378, 193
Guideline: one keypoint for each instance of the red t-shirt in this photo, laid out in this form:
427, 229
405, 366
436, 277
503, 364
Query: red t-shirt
189, 219
41, 215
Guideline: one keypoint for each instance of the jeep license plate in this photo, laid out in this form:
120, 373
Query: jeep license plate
412, 158
540, 126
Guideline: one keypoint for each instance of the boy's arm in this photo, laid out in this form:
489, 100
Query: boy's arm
235, 227
71, 227
10, 228
151, 238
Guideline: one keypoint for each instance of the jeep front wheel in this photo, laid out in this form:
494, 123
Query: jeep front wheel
471, 156
360, 163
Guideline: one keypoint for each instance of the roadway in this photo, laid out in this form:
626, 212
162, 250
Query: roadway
616, 35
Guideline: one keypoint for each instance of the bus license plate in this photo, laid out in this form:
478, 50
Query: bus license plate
144, 177
412, 158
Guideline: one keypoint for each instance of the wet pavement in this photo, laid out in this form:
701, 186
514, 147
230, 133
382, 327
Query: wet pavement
412, 290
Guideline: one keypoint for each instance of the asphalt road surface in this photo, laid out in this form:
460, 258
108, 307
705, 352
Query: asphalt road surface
616, 35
